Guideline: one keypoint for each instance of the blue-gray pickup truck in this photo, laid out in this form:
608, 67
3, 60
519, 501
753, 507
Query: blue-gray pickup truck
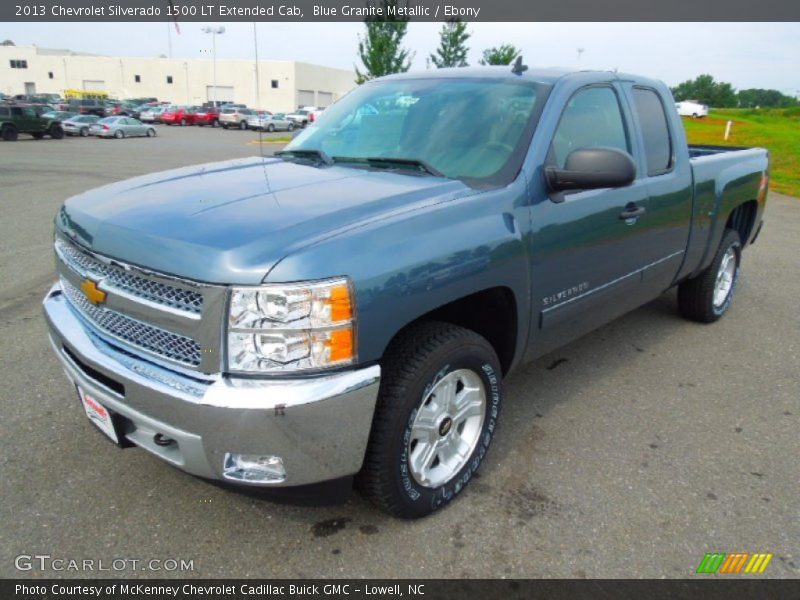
344, 313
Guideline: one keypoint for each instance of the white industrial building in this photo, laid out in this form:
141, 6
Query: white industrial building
283, 85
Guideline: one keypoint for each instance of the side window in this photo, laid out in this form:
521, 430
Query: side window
592, 118
655, 131
4, 112
29, 112
16, 111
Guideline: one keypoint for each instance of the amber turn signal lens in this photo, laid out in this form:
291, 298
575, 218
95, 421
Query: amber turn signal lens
341, 308
340, 345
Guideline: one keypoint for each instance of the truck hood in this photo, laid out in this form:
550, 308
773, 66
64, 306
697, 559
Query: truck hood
231, 222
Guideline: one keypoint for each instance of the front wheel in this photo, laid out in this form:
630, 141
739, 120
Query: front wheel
118, 134
84, 132
290, 127
243, 125
708, 296
437, 411
271, 128
151, 132
56, 132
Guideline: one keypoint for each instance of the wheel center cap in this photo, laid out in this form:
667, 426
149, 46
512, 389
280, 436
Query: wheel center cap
445, 426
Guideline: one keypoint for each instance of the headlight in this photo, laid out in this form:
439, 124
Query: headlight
278, 328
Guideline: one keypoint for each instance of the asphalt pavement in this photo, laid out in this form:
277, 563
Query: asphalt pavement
629, 453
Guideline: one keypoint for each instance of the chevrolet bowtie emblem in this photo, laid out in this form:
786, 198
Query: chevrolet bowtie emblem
93, 294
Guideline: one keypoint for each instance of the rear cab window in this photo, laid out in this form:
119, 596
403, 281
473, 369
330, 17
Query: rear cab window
655, 131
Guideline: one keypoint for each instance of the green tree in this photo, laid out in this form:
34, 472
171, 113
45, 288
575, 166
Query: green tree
765, 99
381, 49
706, 91
499, 55
452, 50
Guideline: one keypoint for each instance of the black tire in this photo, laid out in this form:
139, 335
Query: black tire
290, 127
38, 135
243, 125
224, 126
417, 360
10, 133
271, 128
119, 134
56, 132
84, 132
696, 295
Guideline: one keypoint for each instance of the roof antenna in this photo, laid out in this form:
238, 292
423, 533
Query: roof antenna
519, 68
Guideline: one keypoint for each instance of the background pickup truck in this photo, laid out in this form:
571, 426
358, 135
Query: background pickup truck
348, 309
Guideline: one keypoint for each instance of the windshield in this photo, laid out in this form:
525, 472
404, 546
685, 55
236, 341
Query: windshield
469, 129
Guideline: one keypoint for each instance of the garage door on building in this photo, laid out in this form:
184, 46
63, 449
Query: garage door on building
224, 93
94, 85
305, 98
324, 99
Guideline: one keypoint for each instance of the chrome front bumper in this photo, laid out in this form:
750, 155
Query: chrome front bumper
318, 426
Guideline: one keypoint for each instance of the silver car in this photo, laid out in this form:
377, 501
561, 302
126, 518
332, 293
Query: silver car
270, 122
79, 125
120, 127
152, 115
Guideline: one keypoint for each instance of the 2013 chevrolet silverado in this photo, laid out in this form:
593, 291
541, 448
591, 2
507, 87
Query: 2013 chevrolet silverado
347, 309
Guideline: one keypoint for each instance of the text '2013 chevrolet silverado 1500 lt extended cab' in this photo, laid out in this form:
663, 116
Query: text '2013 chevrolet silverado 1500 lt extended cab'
346, 310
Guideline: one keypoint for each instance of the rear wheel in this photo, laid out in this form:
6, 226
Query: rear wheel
271, 128
119, 134
290, 127
215, 123
708, 296
56, 132
437, 410
84, 131
183, 122
151, 132
243, 125
10, 133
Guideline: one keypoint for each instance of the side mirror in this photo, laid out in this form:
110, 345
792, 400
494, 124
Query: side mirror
592, 168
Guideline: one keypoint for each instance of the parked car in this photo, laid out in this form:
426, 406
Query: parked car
207, 115
302, 116
265, 347
79, 125
267, 121
179, 115
690, 108
58, 115
121, 127
152, 114
315, 114
22, 118
136, 111
234, 117
87, 106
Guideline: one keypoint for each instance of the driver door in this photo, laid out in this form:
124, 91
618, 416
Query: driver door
587, 256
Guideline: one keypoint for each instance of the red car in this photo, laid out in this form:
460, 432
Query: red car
207, 116
179, 115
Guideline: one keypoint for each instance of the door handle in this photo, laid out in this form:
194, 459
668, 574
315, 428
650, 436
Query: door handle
632, 212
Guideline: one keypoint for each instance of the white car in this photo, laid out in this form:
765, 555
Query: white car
152, 115
690, 108
302, 116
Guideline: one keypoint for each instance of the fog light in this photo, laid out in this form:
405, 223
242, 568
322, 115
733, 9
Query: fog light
252, 468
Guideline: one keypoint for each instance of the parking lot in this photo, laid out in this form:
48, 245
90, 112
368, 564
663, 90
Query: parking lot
629, 453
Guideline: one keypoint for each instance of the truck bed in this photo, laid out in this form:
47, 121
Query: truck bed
697, 151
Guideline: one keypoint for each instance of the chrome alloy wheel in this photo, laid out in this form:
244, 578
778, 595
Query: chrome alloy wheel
725, 277
447, 428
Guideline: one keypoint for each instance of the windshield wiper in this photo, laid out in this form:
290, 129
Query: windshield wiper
320, 155
385, 162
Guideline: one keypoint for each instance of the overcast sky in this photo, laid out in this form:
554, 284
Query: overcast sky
764, 55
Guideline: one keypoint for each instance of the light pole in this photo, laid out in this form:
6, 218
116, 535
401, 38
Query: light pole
214, 31
580, 52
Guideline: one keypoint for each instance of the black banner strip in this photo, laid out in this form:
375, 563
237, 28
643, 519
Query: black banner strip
414, 10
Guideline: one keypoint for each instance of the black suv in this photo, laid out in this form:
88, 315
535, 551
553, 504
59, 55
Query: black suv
16, 119
87, 106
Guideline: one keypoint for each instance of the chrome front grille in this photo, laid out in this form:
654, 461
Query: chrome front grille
131, 283
154, 339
